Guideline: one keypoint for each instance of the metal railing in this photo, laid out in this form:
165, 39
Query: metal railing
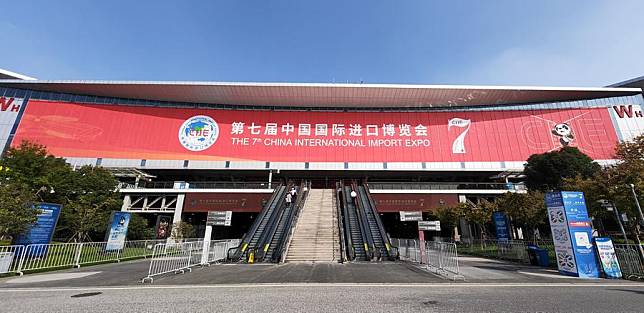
10, 257
443, 186
39, 257
630, 261
199, 185
511, 250
441, 257
181, 257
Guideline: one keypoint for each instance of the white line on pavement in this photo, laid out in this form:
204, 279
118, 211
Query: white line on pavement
439, 285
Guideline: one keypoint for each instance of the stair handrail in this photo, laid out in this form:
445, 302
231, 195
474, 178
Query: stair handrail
243, 244
340, 220
364, 224
284, 246
381, 226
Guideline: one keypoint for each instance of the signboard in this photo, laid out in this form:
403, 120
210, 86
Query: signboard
163, 227
501, 224
86, 131
219, 218
42, 231
608, 258
411, 216
571, 233
429, 225
117, 230
9, 111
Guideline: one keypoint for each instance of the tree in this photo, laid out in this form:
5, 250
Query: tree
182, 230
612, 183
139, 228
448, 217
31, 165
479, 214
90, 203
526, 210
17, 212
547, 171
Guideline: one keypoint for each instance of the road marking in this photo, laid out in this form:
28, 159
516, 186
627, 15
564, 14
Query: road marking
547, 275
48, 277
305, 285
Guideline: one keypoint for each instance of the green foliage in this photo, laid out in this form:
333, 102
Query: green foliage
90, 203
88, 195
612, 183
182, 230
16, 209
139, 228
526, 210
547, 171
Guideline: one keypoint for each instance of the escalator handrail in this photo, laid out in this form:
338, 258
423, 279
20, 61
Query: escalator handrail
345, 205
283, 245
364, 224
340, 219
381, 226
258, 220
271, 226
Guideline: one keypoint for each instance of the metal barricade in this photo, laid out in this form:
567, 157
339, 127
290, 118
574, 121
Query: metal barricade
47, 256
630, 261
10, 257
442, 256
173, 258
219, 248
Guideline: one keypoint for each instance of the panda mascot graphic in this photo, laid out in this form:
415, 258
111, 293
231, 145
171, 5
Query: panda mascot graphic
564, 132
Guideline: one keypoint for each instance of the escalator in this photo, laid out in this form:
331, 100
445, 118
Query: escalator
263, 222
357, 243
278, 235
381, 244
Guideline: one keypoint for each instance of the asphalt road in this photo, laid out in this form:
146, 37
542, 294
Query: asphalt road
333, 298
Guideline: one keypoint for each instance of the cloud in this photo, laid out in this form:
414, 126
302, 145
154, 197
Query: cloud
599, 46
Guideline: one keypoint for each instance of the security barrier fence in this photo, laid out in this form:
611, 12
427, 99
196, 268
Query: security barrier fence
181, 257
20, 259
629, 256
631, 262
511, 250
439, 256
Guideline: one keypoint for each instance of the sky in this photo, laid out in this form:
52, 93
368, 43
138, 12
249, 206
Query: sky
494, 42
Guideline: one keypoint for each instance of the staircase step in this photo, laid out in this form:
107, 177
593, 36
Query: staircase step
314, 238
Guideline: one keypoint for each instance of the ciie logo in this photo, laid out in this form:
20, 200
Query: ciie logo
6, 103
198, 133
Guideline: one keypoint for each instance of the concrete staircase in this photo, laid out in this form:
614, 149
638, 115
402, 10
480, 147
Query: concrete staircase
315, 238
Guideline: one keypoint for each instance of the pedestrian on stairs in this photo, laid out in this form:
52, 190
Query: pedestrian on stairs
293, 192
289, 199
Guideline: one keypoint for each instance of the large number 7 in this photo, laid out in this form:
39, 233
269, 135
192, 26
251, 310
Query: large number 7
458, 146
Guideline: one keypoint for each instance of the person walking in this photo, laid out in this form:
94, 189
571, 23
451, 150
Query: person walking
289, 200
293, 193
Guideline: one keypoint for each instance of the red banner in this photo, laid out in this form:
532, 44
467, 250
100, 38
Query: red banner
130, 132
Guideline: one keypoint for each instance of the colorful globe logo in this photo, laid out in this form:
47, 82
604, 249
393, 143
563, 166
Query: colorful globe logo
198, 133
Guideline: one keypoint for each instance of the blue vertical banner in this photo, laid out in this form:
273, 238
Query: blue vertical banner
572, 234
581, 233
501, 224
117, 230
608, 258
42, 231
